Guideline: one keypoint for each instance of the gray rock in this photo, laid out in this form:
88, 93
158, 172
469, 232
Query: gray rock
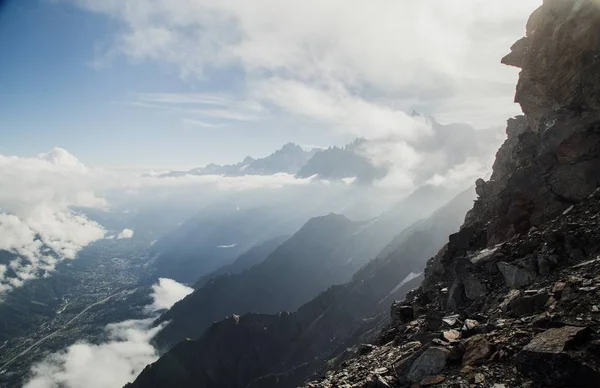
456, 296
550, 359
516, 277
474, 288
401, 313
431, 362
528, 305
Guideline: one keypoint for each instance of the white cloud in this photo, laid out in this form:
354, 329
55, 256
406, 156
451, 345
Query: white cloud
441, 57
125, 233
227, 246
201, 124
167, 292
36, 223
113, 363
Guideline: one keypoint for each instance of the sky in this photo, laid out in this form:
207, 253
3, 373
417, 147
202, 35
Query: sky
181, 83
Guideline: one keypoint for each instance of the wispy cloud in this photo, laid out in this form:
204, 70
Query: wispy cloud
201, 107
186, 98
201, 124
349, 71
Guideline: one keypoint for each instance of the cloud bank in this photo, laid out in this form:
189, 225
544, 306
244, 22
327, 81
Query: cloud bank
36, 223
113, 363
351, 68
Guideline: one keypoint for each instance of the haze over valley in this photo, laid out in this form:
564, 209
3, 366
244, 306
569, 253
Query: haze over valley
238, 194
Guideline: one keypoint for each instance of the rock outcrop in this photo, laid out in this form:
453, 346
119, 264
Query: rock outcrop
512, 300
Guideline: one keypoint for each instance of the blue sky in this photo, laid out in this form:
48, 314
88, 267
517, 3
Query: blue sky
184, 83
51, 94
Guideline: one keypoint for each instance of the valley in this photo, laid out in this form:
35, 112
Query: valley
109, 282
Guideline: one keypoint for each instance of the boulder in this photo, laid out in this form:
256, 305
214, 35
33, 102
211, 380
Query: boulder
529, 304
477, 350
552, 359
431, 362
401, 313
515, 276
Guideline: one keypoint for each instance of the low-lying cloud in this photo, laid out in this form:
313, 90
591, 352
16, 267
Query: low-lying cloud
125, 233
113, 363
167, 292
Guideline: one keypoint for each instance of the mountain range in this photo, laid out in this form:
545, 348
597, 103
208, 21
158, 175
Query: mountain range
324, 252
333, 163
509, 299
290, 346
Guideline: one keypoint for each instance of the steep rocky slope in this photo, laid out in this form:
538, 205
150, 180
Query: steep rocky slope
288, 348
512, 300
247, 260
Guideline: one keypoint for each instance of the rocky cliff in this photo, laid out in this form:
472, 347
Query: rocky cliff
512, 300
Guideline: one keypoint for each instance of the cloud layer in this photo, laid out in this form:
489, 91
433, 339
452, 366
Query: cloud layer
337, 64
115, 362
348, 70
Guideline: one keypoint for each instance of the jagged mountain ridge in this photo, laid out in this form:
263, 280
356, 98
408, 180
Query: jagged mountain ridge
288, 159
343, 162
319, 328
333, 163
